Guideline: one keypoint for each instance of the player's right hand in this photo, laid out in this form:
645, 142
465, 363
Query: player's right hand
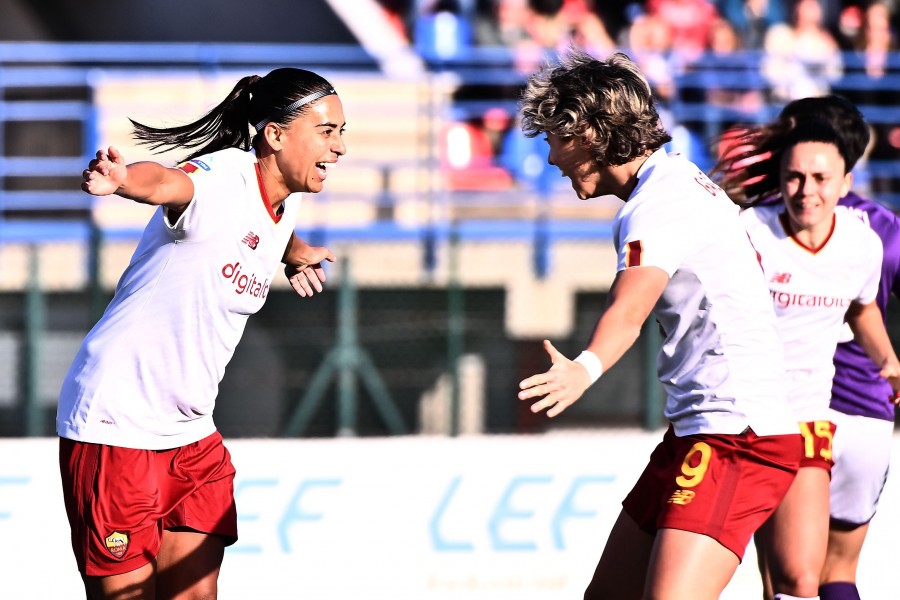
105, 174
890, 370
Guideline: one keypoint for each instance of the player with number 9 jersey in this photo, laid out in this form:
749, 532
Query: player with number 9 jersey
732, 448
721, 360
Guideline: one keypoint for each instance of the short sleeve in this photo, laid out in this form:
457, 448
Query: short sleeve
653, 237
218, 182
869, 291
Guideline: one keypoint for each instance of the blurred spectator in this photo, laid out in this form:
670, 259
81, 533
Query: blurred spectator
511, 16
441, 32
587, 30
466, 146
752, 18
537, 29
726, 52
689, 22
649, 41
875, 42
546, 31
849, 26
616, 15
723, 38
486, 23
528, 31
467, 159
725, 82
801, 58
497, 122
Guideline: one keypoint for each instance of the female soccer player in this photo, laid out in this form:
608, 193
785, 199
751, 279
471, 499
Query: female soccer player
862, 405
732, 448
823, 266
147, 481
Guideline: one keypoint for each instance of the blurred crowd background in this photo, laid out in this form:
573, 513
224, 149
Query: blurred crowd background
461, 248
751, 53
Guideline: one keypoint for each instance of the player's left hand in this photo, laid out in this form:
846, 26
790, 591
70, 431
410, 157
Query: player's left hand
306, 273
560, 387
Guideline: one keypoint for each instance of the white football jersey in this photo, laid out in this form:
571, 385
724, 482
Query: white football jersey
721, 361
811, 292
147, 374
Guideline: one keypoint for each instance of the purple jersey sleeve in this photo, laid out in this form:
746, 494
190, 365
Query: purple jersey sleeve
857, 388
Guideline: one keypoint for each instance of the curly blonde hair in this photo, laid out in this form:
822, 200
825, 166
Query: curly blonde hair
608, 103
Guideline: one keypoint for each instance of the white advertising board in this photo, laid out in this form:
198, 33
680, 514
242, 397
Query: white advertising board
418, 518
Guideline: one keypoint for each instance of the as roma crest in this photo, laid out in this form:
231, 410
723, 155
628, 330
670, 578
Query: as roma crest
117, 544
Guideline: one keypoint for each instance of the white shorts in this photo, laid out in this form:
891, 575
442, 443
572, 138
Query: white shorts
862, 455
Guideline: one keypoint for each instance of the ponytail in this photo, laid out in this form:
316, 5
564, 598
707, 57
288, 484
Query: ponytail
225, 126
279, 97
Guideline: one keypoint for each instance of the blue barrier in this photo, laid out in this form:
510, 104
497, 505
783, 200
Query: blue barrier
40, 66
34, 231
185, 54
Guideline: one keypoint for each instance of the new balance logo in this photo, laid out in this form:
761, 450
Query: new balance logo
682, 497
781, 278
251, 239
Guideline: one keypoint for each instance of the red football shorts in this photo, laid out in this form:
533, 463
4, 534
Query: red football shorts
817, 438
722, 486
119, 500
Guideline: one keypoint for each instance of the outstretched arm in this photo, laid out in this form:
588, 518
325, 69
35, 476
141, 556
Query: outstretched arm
303, 265
868, 328
144, 182
631, 298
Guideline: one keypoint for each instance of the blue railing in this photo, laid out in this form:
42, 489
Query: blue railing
249, 55
32, 67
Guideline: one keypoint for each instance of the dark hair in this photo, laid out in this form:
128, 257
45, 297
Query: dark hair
254, 100
546, 8
749, 170
608, 103
843, 115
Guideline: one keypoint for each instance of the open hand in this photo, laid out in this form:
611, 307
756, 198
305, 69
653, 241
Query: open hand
559, 387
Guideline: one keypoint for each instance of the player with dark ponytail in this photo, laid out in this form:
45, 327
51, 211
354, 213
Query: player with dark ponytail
147, 480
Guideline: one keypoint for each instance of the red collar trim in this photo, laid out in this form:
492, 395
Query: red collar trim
265, 196
786, 224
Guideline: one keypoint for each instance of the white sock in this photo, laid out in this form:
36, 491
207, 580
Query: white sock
786, 597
